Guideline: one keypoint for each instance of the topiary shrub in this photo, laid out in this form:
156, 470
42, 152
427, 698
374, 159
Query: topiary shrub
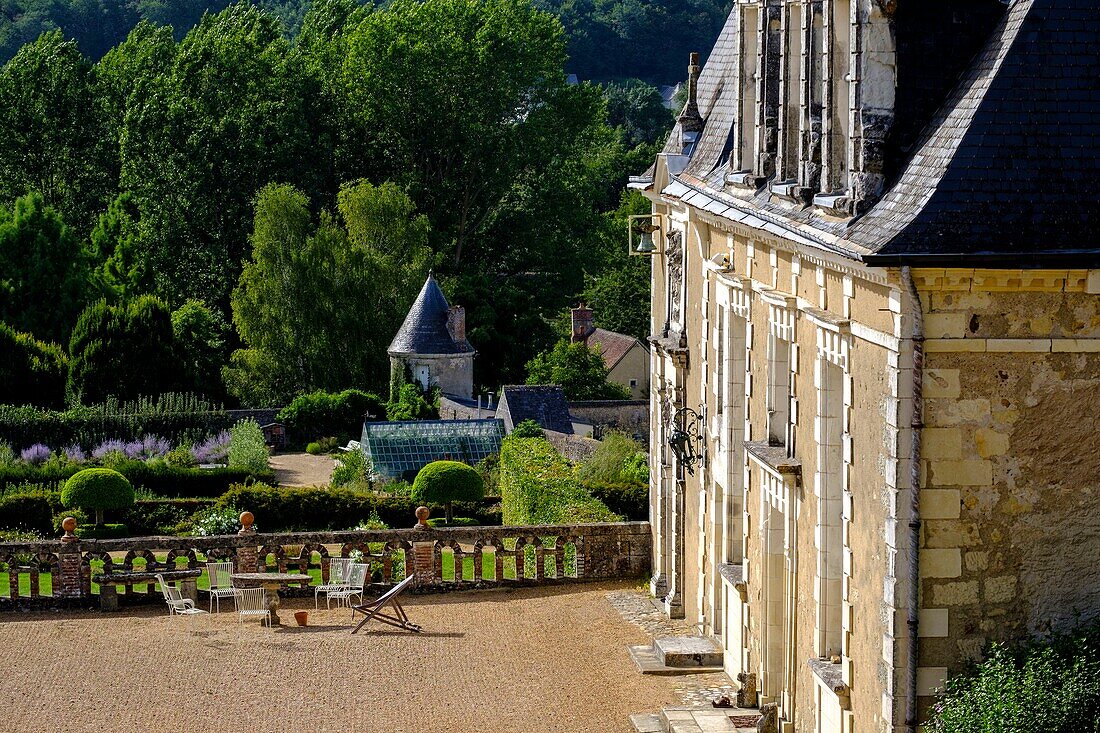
446, 482
98, 489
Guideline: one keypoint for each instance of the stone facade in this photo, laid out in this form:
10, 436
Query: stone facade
821, 319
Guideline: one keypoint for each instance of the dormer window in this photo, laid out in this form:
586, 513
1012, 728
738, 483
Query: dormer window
837, 102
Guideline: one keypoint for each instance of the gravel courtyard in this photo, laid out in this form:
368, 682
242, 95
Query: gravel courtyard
533, 660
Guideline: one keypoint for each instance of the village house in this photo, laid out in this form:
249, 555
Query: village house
875, 384
626, 358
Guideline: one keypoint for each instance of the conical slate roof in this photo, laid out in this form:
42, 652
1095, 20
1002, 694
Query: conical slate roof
425, 328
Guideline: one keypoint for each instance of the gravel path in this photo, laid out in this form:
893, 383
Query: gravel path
302, 469
535, 660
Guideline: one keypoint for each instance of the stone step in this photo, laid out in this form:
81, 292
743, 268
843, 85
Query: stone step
648, 661
647, 723
688, 651
697, 720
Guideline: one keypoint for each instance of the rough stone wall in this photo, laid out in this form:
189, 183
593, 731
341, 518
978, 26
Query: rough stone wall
628, 416
452, 374
1010, 545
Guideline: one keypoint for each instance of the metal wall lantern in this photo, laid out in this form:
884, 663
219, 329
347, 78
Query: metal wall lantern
685, 438
642, 229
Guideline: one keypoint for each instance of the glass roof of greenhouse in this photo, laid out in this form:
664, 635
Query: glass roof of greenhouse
401, 449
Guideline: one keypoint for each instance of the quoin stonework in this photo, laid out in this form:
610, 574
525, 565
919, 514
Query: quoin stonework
876, 298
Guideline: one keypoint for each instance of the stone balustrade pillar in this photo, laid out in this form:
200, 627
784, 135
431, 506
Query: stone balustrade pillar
423, 553
248, 556
70, 580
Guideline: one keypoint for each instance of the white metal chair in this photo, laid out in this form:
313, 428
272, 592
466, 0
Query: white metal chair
337, 580
221, 582
177, 604
357, 579
252, 602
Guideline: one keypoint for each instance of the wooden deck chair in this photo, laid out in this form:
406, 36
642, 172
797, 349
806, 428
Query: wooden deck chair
375, 609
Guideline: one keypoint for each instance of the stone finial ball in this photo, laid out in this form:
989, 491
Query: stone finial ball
247, 519
422, 514
68, 524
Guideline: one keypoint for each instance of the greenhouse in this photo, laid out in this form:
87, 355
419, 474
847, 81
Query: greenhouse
400, 449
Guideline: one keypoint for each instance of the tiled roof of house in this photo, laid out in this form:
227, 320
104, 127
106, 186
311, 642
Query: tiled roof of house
613, 346
543, 403
424, 330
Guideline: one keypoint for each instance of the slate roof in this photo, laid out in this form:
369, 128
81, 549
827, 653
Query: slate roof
1009, 167
424, 330
1004, 174
613, 346
543, 403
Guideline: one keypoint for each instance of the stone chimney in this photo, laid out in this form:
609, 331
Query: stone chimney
456, 323
690, 120
582, 324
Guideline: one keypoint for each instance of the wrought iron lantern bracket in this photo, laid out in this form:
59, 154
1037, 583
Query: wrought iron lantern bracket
685, 438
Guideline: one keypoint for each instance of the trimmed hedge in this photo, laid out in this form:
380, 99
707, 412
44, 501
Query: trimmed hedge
176, 417
319, 414
630, 501
539, 486
31, 512
159, 478
315, 509
113, 531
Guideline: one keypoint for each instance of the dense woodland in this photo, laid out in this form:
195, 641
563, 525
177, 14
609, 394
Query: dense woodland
607, 39
246, 210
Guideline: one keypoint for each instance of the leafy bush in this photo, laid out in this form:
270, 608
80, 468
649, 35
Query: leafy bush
7, 455
314, 509
538, 486
352, 469
528, 429
247, 449
217, 520
322, 446
628, 500
1051, 686
181, 457
489, 468
98, 489
29, 512
340, 414
607, 464
579, 370
178, 418
636, 468
411, 404
31, 371
445, 482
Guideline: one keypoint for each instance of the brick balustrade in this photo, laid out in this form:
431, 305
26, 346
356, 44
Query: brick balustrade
486, 557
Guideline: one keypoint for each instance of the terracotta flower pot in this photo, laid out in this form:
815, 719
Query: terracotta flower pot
302, 617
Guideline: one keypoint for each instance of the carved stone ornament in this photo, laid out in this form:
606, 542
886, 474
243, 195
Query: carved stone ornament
675, 257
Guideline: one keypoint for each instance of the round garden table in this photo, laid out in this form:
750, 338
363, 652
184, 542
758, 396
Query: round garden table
271, 582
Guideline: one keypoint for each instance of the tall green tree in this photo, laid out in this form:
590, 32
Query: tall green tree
317, 304
52, 130
617, 285
45, 272
31, 372
119, 255
228, 117
200, 336
125, 351
579, 370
